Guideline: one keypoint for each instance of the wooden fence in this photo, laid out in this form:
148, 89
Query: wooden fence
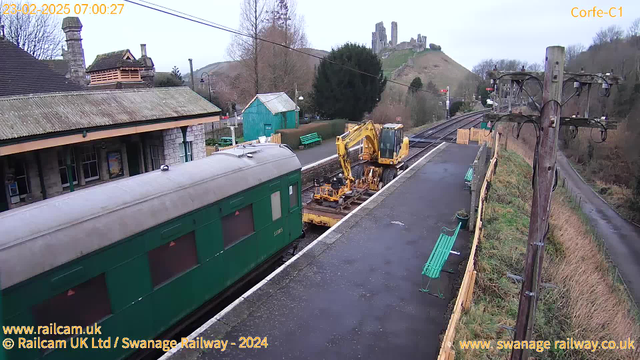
465, 294
273, 139
474, 134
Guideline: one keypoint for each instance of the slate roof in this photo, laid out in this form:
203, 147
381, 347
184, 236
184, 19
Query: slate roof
21, 73
276, 102
30, 115
58, 65
113, 60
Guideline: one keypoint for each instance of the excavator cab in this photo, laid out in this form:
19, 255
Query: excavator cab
391, 144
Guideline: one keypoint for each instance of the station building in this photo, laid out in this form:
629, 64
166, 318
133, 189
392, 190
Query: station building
58, 135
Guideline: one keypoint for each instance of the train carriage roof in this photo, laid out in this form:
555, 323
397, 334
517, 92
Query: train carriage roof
41, 236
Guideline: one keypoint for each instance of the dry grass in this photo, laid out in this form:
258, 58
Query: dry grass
588, 303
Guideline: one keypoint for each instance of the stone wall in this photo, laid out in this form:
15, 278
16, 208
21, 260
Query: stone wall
173, 148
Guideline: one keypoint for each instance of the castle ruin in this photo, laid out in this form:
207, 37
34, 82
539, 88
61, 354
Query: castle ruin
379, 40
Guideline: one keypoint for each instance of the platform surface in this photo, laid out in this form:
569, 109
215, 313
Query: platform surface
355, 292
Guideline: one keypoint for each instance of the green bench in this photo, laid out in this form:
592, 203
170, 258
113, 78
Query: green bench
310, 139
468, 177
439, 256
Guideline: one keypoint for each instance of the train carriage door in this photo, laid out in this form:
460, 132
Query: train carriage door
294, 220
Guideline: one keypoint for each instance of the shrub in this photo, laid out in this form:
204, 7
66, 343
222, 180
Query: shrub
326, 129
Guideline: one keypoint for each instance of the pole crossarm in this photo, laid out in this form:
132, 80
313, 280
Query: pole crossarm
582, 77
564, 120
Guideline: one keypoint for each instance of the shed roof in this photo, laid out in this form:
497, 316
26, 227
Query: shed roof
276, 102
29, 115
114, 60
21, 73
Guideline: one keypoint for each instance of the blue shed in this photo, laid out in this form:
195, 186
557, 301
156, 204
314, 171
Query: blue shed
267, 113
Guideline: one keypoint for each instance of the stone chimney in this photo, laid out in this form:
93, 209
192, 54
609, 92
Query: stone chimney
74, 54
149, 70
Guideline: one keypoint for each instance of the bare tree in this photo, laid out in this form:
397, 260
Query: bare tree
610, 34
39, 35
535, 67
572, 52
634, 28
286, 68
247, 49
483, 67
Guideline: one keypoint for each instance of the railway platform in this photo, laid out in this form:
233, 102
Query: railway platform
354, 292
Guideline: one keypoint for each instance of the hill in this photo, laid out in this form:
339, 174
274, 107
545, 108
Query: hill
430, 65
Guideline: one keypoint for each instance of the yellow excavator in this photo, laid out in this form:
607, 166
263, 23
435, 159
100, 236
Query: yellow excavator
383, 153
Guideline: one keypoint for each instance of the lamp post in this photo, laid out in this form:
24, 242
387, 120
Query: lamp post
208, 82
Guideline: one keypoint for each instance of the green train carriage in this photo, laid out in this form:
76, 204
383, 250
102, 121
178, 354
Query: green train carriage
138, 254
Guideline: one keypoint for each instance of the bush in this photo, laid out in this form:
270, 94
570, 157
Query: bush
433, 46
326, 129
455, 107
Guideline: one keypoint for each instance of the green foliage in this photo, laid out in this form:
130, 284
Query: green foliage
174, 78
483, 93
340, 92
175, 72
455, 107
416, 84
433, 46
432, 88
328, 130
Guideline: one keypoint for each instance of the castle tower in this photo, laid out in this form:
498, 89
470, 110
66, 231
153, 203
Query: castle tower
74, 54
394, 33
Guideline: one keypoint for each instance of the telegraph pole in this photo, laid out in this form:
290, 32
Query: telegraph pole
541, 201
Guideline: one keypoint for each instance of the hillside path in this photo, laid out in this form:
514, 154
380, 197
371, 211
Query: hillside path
621, 237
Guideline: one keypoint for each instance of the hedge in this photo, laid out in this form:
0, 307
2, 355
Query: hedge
327, 129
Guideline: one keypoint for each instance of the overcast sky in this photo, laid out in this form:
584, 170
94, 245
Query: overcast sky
468, 30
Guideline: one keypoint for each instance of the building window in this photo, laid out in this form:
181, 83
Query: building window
293, 196
276, 210
237, 226
90, 163
172, 259
83, 305
19, 188
187, 145
64, 178
156, 156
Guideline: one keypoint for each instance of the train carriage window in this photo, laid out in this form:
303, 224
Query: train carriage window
82, 305
173, 258
276, 209
293, 196
237, 225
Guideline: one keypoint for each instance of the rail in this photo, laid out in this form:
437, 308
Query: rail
465, 294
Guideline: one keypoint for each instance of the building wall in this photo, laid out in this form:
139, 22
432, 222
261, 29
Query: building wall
256, 116
170, 141
173, 147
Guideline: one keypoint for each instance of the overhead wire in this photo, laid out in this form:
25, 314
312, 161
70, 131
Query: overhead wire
194, 19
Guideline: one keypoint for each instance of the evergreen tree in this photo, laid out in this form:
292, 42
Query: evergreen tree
344, 93
416, 85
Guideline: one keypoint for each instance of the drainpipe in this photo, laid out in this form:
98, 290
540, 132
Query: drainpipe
69, 168
41, 175
184, 142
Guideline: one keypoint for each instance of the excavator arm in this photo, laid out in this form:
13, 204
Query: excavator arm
344, 142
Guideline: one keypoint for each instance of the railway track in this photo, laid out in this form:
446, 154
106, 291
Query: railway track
437, 134
432, 136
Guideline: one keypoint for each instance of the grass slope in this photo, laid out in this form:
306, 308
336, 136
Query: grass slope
587, 305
